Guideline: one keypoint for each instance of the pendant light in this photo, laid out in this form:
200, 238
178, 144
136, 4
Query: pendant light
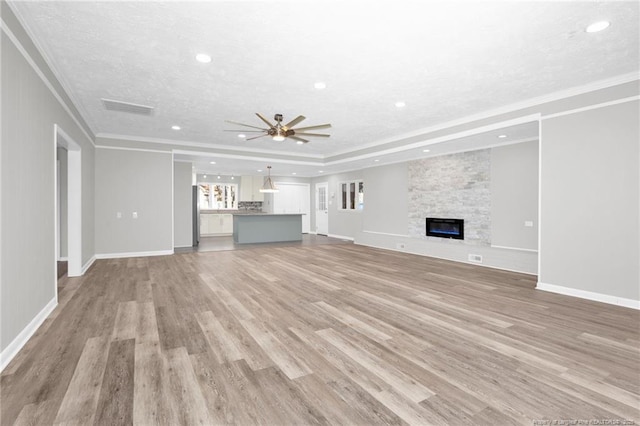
268, 186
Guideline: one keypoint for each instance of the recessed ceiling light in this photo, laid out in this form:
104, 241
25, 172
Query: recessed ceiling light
376, 160
299, 142
232, 177
426, 150
212, 162
597, 26
203, 57
502, 136
400, 104
293, 173
175, 127
218, 176
242, 136
205, 176
320, 85
320, 171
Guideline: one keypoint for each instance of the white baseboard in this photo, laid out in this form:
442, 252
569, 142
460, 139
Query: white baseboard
21, 339
342, 237
63, 259
387, 234
514, 248
589, 295
446, 258
87, 265
134, 254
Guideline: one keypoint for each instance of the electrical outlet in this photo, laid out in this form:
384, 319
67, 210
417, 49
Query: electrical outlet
528, 223
477, 258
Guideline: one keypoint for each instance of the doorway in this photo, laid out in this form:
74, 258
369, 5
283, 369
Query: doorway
73, 229
322, 208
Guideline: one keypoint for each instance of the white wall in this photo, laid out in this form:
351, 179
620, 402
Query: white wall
590, 203
127, 182
28, 169
182, 205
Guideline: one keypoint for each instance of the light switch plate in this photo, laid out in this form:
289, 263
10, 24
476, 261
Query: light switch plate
528, 223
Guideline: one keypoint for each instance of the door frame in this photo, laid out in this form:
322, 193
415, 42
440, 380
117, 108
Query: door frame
326, 195
74, 201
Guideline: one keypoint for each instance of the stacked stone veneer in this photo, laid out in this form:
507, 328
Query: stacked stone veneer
452, 186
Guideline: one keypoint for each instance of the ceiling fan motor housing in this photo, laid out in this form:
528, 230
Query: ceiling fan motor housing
278, 117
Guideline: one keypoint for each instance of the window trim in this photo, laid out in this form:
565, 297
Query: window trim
353, 204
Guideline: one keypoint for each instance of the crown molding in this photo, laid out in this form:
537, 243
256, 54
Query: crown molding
532, 102
5, 29
248, 158
192, 144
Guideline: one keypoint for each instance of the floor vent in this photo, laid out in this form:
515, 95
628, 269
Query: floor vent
127, 107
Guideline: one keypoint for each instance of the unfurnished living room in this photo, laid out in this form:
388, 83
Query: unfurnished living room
320, 212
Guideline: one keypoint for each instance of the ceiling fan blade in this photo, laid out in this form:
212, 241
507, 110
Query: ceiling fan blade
242, 124
261, 117
298, 139
294, 121
312, 134
256, 137
319, 126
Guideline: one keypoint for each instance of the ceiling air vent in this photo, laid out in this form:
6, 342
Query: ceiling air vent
128, 107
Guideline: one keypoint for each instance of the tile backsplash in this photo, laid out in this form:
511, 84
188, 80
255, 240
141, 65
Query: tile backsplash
252, 206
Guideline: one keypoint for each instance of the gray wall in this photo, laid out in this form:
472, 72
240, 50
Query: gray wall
182, 205
341, 223
133, 181
590, 200
28, 155
514, 195
401, 194
385, 199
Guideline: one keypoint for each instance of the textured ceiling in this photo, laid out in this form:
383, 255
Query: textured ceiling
445, 60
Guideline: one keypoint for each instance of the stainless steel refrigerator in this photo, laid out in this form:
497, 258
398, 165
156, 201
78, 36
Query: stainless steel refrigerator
195, 203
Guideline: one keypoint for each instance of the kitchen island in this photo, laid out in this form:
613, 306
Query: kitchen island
267, 227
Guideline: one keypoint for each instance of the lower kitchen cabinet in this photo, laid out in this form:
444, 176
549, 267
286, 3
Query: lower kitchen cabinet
216, 224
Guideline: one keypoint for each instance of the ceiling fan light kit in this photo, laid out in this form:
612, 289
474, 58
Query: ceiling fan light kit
268, 186
279, 132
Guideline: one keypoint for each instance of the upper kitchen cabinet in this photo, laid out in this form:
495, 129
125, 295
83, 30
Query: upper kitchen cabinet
250, 188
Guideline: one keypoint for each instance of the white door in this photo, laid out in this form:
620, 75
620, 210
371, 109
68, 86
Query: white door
322, 208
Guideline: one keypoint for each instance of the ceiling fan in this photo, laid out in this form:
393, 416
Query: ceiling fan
279, 131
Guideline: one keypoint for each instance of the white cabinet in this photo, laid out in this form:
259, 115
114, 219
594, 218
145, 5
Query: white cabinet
250, 188
216, 224
246, 188
258, 181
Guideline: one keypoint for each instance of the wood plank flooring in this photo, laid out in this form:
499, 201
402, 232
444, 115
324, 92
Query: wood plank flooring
326, 334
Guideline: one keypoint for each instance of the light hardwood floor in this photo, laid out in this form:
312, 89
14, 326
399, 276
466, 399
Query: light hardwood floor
328, 334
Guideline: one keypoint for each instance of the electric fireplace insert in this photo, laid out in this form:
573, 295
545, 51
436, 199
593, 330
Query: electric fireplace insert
445, 228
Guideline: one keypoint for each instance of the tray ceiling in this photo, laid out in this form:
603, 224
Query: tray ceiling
444, 60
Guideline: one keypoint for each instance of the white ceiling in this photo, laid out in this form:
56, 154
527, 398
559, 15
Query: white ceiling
446, 60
